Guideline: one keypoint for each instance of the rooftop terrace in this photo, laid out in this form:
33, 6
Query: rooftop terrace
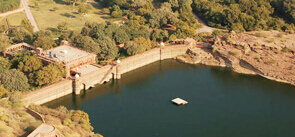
66, 53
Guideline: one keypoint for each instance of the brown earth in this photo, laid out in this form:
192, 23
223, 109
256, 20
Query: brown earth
268, 54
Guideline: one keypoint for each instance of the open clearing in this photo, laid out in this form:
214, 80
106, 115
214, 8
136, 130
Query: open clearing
14, 19
48, 14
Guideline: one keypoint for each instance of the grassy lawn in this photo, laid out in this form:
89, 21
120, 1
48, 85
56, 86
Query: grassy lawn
47, 18
14, 19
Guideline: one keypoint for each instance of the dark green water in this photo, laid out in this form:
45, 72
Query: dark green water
221, 104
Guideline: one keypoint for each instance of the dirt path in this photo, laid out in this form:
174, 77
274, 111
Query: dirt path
29, 14
11, 12
205, 27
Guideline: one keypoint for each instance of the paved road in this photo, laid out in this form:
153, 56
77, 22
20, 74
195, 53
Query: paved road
29, 14
11, 12
205, 27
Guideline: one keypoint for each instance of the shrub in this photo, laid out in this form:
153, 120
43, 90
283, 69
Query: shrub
261, 34
286, 50
106, 11
270, 62
281, 35
257, 58
233, 52
3, 92
16, 98
217, 32
4, 64
4, 118
117, 14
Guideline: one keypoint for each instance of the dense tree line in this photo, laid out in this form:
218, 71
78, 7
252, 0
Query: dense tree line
145, 26
25, 71
247, 15
285, 8
7, 5
173, 16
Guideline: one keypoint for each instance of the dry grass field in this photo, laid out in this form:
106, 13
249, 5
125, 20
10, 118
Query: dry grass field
49, 13
14, 19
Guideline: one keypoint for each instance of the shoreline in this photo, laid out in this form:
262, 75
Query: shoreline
106, 73
249, 72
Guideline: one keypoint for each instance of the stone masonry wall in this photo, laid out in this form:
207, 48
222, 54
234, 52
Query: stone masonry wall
105, 73
49, 93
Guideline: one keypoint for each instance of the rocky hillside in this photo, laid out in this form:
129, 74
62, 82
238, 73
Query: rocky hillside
269, 54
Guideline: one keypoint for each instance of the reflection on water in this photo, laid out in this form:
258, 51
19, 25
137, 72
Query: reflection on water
221, 103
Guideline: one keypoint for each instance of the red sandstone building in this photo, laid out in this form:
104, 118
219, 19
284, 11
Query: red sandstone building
75, 60
71, 57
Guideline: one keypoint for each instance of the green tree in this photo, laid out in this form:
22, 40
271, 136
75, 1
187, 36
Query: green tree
174, 3
44, 42
110, 29
19, 35
3, 92
121, 36
4, 43
62, 27
88, 44
133, 48
7, 5
52, 73
138, 45
27, 63
74, 2
15, 97
146, 43
160, 35
162, 16
14, 80
289, 9
4, 64
108, 48
217, 32
84, 8
116, 12
172, 37
42, 33
27, 25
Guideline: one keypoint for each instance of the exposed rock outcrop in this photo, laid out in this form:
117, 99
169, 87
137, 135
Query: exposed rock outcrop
268, 54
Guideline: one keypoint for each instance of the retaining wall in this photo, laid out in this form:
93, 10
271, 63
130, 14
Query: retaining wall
104, 74
49, 93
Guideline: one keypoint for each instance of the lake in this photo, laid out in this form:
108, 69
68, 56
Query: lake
221, 103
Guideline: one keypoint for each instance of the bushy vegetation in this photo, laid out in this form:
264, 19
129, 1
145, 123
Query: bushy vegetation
69, 122
14, 80
14, 120
7, 5
173, 15
247, 15
4, 43
52, 73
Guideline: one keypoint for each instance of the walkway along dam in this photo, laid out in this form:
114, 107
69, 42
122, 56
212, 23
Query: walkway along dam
104, 74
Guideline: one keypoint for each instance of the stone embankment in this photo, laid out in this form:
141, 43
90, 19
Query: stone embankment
104, 74
268, 54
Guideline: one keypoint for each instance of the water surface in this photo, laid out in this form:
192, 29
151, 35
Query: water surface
221, 104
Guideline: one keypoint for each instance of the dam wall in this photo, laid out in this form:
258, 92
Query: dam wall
49, 93
104, 74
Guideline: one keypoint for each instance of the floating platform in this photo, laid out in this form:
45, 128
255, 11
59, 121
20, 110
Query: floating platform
179, 101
